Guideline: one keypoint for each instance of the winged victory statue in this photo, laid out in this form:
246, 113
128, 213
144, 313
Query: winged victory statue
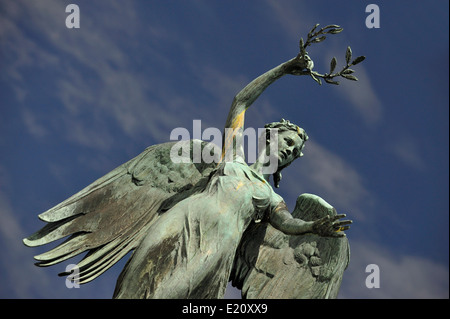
195, 226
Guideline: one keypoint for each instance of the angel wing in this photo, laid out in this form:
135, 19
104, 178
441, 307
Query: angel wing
271, 264
109, 217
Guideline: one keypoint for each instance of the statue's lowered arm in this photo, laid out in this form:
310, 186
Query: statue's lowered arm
329, 226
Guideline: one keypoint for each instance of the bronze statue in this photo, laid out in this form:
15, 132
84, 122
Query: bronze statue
195, 226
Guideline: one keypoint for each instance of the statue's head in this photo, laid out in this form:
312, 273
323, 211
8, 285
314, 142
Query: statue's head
291, 141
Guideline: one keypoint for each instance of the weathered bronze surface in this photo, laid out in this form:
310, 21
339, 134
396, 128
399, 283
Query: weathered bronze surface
193, 227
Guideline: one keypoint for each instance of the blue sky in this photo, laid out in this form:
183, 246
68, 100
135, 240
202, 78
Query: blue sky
76, 103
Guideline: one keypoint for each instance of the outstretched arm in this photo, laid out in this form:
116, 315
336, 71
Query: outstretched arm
300, 65
245, 98
281, 219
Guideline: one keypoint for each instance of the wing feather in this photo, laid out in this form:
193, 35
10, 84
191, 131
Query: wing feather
270, 264
109, 217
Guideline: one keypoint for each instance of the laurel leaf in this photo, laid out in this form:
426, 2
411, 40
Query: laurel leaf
348, 55
333, 64
350, 77
331, 81
348, 71
335, 31
317, 40
358, 60
312, 30
331, 26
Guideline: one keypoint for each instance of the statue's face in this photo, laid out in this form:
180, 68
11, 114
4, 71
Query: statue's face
290, 146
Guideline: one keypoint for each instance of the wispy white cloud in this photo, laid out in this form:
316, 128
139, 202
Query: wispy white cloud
401, 275
24, 50
18, 277
362, 97
407, 151
97, 85
328, 175
32, 123
293, 18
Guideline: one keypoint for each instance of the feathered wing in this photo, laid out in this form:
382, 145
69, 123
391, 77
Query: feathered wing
270, 264
109, 217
